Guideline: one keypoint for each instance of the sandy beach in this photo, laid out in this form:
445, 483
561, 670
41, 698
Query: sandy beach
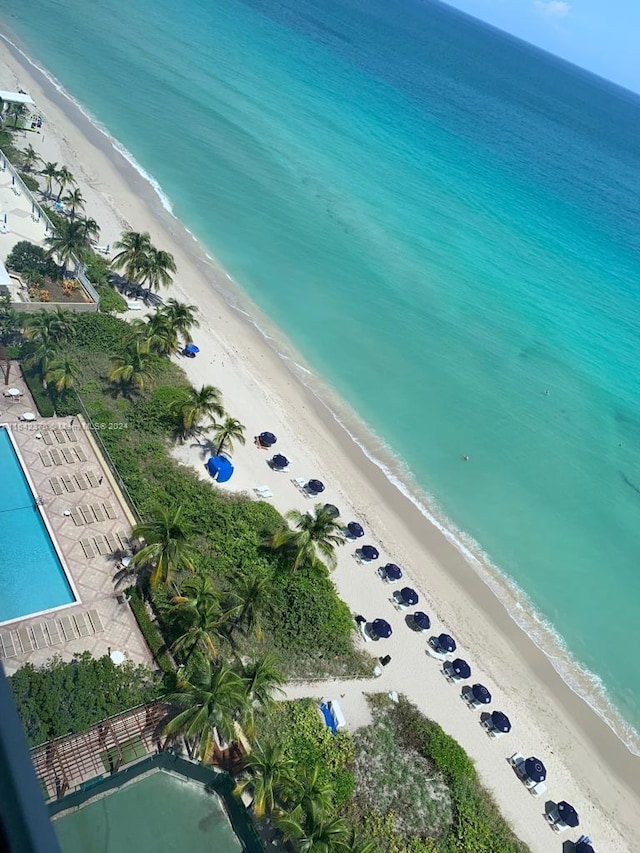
587, 764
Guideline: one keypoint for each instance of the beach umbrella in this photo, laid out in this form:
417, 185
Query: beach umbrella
421, 621
535, 769
381, 628
369, 552
279, 461
220, 468
501, 722
461, 668
333, 510
393, 572
191, 349
315, 486
568, 814
480, 692
409, 596
267, 439
446, 643
584, 847
355, 529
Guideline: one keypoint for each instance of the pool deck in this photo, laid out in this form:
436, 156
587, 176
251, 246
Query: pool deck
101, 621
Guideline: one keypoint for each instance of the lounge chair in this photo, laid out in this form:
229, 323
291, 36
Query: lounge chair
92, 479
538, 790
97, 511
46, 437
263, 491
56, 486
81, 480
96, 621
59, 436
55, 455
87, 547
82, 456
123, 539
7, 646
109, 511
299, 483
53, 631
86, 513
40, 638
102, 546
67, 627
25, 639
45, 458
71, 435
84, 630
77, 517
68, 456
112, 542
67, 483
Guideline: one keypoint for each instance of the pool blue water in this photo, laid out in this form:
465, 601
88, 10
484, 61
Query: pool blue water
31, 575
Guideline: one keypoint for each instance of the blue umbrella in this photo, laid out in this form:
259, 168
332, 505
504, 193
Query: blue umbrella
535, 769
369, 552
381, 628
421, 620
267, 439
461, 668
393, 572
315, 486
355, 529
409, 596
480, 693
220, 468
584, 847
501, 722
192, 349
568, 814
333, 511
446, 643
279, 461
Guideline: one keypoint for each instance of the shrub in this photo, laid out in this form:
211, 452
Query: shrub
31, 259
40, 397
30, 182
110, 299
150, 632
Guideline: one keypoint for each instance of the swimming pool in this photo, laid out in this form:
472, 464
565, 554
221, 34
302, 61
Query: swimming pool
32, 578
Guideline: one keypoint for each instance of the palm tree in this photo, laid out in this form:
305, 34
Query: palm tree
309, 790
89, 229
166, 547
249, 595
201, 606
214, 698
157, 268
317, 531
133, 250
315, 831
30, 158
133, 369
64, 179
198, 405
271, 774
56, 326
137, 332
18, 111
226, 432
161, 334
50, 172
68, 243
63, 372
181, 316
44, 353
75, 200
263, 679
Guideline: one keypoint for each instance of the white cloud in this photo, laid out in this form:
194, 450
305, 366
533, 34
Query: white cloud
553, 8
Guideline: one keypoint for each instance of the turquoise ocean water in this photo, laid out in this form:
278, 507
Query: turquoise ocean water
444, 222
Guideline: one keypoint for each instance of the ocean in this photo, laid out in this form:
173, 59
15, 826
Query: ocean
443, 221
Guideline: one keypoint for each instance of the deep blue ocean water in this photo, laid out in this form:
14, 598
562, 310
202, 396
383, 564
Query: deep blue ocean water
444, 222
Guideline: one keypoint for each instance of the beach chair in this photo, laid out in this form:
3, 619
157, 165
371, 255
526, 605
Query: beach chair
77, 517
82, 456
97, 511
81, 480
68, 456
7, 645
263, 491
87, 547
51, 628
45, 458
299, 483
71, 435
102, 546
46, 437
92, 479
67, 628
40, 638
109, 511
366, 636
55, 455
96, 621
123, 539
25, 640
538, 790
56, 486
86, 513
59, 436
81, 624
67, 483
112, 542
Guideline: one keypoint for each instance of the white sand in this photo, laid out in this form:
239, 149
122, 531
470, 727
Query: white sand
587, 764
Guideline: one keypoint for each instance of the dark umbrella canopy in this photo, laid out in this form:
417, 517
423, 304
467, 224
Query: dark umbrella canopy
501, 722
279, 461
421, 620
369, 552
355, 529
535, 769
333, 510
446, 643
393, 572
191, 349
584, 847
267, 439
461, 668
480, 693
568, 814
315, 486
381, 628
409, 596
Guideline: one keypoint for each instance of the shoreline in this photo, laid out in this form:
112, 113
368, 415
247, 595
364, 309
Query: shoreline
459, 595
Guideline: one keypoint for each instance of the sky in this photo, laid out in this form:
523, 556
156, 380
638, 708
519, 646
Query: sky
602, 36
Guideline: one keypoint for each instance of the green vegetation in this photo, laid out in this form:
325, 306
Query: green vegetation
150, 632
69, 697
